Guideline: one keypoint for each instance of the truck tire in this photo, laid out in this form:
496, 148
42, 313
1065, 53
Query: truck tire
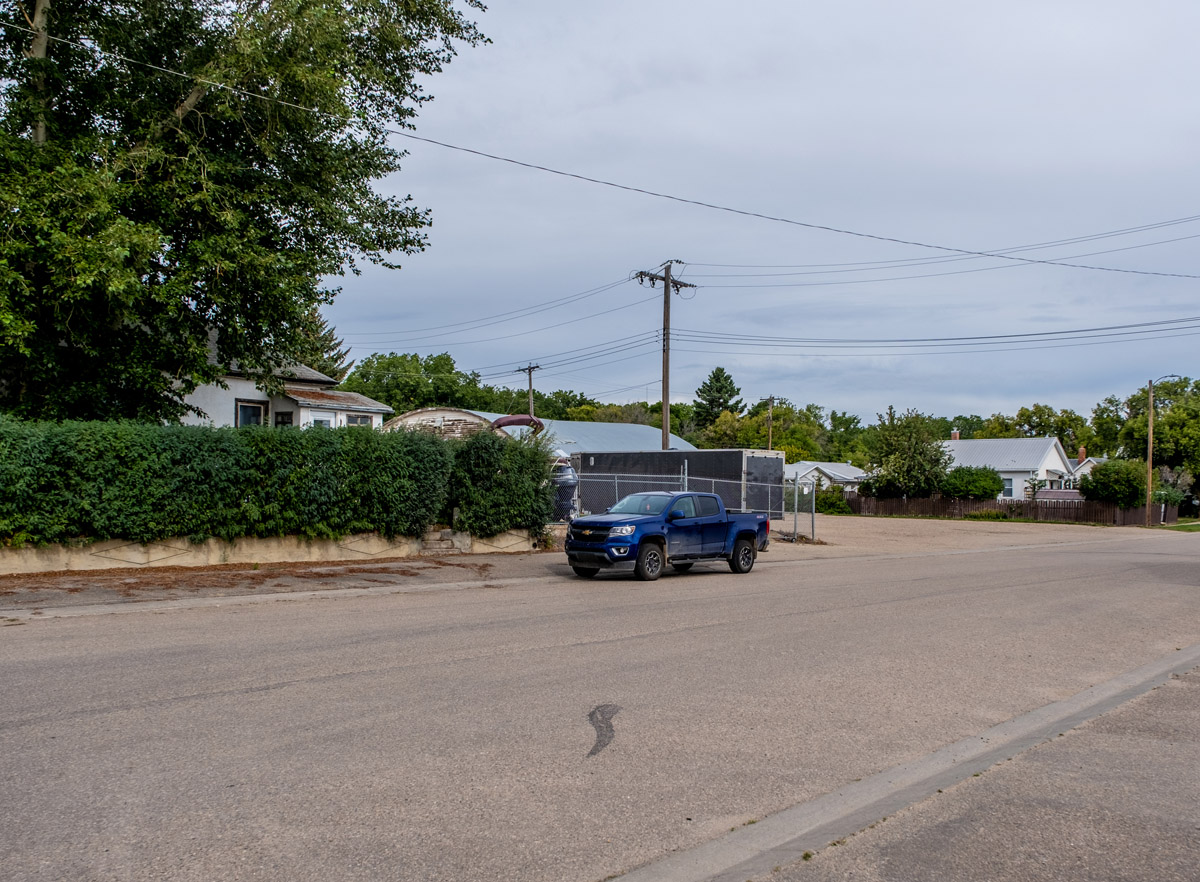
742, 559
585, 572
649, 562
682, 567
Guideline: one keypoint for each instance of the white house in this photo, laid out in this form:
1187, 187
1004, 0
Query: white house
830, 474
308, 399
1017, 460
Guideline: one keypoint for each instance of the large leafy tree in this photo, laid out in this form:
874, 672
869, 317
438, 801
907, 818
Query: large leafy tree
406, 382
906, 455
178, 176
1176, 424
1040, 421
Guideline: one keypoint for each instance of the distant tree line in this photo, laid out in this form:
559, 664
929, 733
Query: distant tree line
903, 451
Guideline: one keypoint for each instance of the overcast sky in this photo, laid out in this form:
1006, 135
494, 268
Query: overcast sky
962, 125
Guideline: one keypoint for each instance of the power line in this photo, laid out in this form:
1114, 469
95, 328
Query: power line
921, 261
929, 262
500, 317
520, 333
880, 353
1075, 333
982, 269
345, 118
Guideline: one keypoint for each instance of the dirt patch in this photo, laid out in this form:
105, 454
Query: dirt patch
165, 583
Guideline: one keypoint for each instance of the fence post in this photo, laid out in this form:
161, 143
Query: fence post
813, 531
796, 509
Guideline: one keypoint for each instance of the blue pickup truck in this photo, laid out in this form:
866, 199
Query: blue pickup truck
647, 531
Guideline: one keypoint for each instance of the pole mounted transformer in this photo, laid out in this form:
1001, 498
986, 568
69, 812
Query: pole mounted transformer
669, 286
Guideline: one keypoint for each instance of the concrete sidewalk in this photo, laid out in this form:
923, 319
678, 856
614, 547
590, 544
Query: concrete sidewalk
1117, 798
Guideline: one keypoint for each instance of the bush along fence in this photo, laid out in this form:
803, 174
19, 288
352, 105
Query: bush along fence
67, 482
1055, 510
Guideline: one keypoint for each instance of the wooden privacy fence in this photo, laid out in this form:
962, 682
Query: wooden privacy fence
1058, 510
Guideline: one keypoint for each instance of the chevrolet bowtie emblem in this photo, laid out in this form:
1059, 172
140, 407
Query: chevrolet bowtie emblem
587, 532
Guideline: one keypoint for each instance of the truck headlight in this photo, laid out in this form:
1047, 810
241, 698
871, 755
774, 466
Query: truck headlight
626, 530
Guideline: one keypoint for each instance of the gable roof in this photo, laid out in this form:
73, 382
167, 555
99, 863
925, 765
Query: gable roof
329, 399
841, 472
292, 373
1007, 454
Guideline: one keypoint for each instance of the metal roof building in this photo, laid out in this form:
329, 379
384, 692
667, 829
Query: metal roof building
574, 436
569, 436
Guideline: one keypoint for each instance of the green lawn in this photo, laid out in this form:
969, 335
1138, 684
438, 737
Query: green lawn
1187, 525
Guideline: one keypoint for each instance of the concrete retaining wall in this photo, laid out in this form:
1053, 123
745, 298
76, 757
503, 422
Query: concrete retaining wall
117, 553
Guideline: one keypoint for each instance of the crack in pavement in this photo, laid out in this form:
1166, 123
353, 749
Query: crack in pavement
601, 719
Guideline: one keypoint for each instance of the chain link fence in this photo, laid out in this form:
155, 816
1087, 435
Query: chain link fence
790, 505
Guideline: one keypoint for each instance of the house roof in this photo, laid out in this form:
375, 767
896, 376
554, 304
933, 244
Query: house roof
292, 373
1005, 454
836, 471
574, 436
306, 396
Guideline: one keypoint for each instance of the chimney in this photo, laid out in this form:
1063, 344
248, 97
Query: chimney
1082, 455
954, 434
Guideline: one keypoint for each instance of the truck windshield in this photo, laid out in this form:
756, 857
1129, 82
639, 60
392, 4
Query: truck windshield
641, 503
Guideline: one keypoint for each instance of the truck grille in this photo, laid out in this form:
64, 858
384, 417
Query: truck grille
589, 534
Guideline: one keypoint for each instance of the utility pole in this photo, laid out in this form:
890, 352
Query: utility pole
770, 399
669, 285
1150, 440
529, 369
1149, 450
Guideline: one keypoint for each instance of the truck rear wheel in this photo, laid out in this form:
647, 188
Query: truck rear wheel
649, 562
742, 559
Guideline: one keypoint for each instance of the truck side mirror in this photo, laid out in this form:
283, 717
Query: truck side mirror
676, 514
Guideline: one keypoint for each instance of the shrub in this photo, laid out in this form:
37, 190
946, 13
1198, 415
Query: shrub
500, 483
833, 501
988, 514
1122, 481
969, 482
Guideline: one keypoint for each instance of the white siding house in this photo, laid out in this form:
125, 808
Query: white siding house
1017, 460
307, 400
830, 474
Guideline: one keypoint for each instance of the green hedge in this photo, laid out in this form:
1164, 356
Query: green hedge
63, 482
497, 485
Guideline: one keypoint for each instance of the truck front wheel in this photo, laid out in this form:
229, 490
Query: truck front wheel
742, 559
649, 562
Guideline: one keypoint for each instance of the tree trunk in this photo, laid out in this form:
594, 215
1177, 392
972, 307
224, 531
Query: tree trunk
39, 48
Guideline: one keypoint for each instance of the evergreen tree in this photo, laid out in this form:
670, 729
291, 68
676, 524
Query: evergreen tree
716, 395
323, 350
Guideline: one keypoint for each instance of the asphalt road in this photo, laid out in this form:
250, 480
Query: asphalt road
533, 726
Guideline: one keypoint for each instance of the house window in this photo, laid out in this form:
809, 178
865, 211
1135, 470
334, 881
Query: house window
1007, 494
250, 413
358, 419
283, 418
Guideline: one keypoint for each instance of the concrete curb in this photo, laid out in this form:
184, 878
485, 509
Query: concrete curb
784, 837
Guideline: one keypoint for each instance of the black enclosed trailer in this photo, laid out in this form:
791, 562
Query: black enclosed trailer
746, 480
